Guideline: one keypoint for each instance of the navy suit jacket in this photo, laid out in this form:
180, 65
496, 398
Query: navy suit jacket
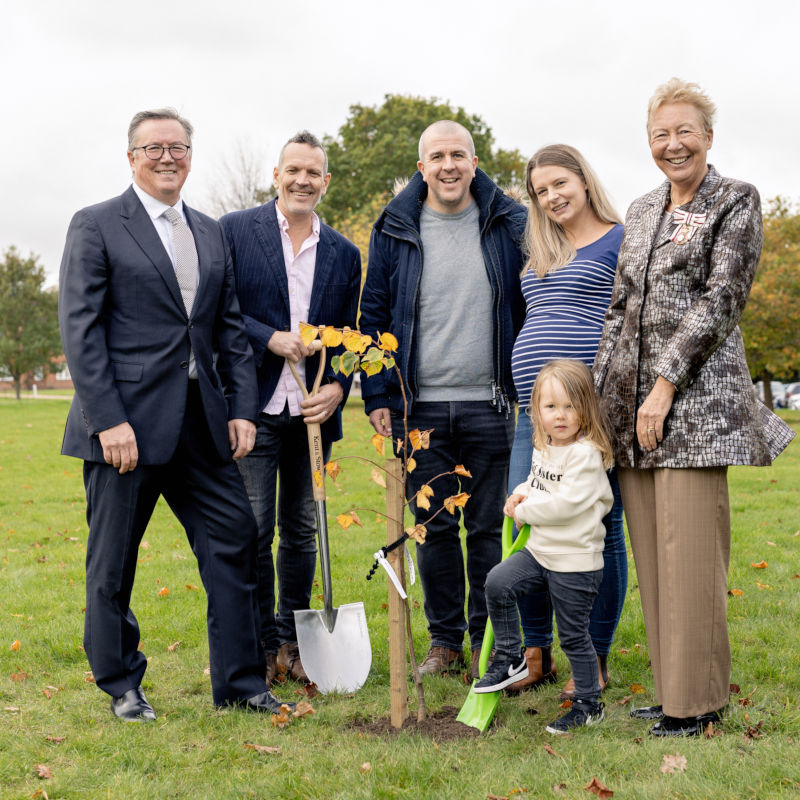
127, 336
263, 289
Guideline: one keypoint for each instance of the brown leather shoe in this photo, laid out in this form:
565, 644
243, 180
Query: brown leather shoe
272, 668
441, 660
289, 659
476, 662
568, 692
541, 670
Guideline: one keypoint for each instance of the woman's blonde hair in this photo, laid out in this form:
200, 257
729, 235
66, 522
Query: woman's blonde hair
546, 244
576, 378
677, 91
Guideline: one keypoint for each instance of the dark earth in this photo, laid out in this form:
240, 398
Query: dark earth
439, 725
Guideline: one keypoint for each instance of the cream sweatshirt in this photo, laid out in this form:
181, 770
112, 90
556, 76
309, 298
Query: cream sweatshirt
567, 495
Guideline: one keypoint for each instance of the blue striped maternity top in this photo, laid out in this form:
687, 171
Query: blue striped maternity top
564, 311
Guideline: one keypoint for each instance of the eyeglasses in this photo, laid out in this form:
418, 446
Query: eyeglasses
155, 151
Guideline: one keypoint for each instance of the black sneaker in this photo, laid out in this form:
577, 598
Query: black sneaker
502, 672
582, 713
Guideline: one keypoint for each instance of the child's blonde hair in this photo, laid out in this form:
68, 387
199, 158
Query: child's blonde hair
576, 379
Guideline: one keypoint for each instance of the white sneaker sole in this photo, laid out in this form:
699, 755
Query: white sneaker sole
591, 721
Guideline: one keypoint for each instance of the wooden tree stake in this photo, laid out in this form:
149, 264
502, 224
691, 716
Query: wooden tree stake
398, 681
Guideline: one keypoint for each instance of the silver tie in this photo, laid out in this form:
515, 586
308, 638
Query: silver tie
185, 257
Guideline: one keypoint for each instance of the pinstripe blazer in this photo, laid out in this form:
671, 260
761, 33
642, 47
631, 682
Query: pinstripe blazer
263, 290
674, 312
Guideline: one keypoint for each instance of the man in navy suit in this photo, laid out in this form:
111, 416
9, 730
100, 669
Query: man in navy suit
165, 398
290, 268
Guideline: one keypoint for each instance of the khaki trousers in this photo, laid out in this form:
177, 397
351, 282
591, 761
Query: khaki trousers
679, 526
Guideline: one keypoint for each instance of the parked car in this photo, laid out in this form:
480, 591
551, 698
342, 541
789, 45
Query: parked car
794, 402
778, 393
792, 389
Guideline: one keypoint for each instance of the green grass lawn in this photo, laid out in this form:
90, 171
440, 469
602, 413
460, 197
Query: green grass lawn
51, 715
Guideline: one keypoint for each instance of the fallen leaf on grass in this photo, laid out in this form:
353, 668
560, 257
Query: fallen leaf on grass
47, 693
753, 731
550, 750
190, 587
55, 739
365, 768
637, 688
566, 704
309, 690
163, 592
88, 677
734, 688
496, 797
763, 585
735, 592
303, 709
558, 788
145, 545
623, 701
281, 719
710, 731
40, 793
673, 763
15, 645
19, 676
174, 646
771, 544
595, 787
623, 651
11, 709
43, 771
262, 749
759, 565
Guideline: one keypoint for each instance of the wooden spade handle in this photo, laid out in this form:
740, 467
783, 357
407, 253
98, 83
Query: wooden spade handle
314, 431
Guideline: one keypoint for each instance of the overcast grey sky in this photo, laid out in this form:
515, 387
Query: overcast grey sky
575, 71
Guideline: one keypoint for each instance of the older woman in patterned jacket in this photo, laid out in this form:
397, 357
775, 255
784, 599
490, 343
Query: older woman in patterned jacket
673, 378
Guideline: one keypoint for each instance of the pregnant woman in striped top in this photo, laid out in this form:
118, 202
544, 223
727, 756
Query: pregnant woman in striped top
572, 241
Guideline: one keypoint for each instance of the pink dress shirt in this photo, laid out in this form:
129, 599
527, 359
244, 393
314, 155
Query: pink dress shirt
300, 277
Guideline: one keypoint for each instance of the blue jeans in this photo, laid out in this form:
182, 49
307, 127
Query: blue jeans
280, 456
572, 595
534, 608
475, 435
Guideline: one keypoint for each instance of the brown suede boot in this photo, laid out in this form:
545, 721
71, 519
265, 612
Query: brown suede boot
541, 670
289, 659
568, 692
272, 668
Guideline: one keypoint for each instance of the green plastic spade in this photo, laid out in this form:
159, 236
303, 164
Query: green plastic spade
478, 709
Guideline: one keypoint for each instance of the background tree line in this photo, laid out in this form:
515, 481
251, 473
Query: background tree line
376, 146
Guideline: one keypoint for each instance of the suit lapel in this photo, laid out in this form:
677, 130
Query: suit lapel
269, 239
654, 217
138, 223
323, 269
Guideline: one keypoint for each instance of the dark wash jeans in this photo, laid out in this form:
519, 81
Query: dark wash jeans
571, 594
280, 457
475, 435
534, 608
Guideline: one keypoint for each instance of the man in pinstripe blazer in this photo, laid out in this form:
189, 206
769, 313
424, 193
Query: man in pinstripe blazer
290, 268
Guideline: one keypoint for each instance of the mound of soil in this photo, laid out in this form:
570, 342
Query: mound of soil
439, 725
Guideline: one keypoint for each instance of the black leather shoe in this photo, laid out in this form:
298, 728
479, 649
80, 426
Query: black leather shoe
684, 726
133, 706
648, 712
266, 703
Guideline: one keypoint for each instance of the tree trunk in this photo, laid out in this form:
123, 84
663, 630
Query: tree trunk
17, 386
766, 380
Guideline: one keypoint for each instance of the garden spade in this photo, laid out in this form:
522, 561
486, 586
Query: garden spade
478, 710
334, 643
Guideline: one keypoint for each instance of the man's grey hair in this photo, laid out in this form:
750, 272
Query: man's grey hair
447, 126
305, 137
157, 113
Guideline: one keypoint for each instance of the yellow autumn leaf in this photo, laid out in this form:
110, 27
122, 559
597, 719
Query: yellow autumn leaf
760, 565
417, 533
163, 592
15, 645
378, 442
735, 592
456, 501
345, 520
420, 440
426, 490
387, 341
422, 502
354, 341
377, 477
411, 465
637, 688
356, 519
308, 333
330, 337
371, 367
333, 469
460, 469
190, 587
763, 585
